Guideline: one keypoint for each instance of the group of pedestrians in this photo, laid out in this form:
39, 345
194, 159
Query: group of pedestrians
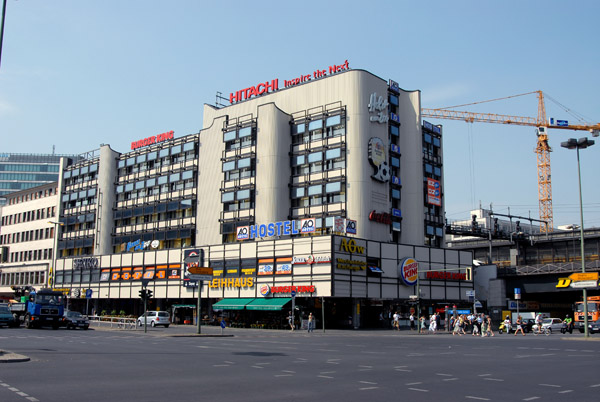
477, 324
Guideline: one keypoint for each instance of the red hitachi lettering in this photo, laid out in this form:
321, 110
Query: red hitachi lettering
257, 90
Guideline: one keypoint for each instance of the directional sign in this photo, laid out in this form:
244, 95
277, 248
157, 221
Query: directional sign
584, 284
584, 276
200, 273
88, 293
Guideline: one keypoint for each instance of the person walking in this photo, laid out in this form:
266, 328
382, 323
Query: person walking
490, 330
412, 321
311, 322
291, 321
423, 325
507, 324
519, 326
397, 321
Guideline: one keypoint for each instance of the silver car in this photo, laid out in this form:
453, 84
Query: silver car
155, 318
553, 324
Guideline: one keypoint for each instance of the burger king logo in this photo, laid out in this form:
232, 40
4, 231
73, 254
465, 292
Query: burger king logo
408, 271
265, 290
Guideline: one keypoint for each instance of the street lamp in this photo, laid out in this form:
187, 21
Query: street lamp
582, 143
54, 248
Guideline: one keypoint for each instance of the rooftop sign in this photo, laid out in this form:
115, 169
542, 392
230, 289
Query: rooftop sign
273, 85
155, 139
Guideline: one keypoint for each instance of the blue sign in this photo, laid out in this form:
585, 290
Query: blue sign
463, 311
223, 324
284, 228
397, 213
88, 294
293, 293
517, 291
562, 123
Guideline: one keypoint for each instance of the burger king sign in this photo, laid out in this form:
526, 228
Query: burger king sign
408, 271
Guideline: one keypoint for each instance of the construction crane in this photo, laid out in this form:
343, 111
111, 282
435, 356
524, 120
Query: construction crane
542, 149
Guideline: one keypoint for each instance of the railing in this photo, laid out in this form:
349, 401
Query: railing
113, 322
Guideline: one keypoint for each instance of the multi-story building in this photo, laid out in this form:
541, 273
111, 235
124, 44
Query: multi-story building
27, 238
23, 171
330, 183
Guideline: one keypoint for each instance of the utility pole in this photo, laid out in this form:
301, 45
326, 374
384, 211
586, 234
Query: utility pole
2, 27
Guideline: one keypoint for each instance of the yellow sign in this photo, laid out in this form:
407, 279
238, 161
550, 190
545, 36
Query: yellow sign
231, 283
584, 276
351, 247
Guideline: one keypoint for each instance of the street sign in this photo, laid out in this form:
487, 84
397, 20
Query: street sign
470, 293
584, 276
200, 273
293, 292
88, 293
584, 284
517, 293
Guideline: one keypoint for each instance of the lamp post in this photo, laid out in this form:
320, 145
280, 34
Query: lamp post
582, 143
54, 248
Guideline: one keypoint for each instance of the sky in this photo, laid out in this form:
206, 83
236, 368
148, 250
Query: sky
77, 74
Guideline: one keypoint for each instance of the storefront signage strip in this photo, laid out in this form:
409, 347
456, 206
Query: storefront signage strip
352, 265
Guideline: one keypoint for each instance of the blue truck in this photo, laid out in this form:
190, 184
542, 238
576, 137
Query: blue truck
42, 308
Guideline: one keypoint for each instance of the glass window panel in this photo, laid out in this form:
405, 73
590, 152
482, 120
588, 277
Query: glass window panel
300, 128
436, 141
437, 171
94, 168
333, 153
152, 156
140, 158
298, 160
394, 130
315, 125
427, 138
176, 150
333, 187
130, 161
82, 194
139, 185
188, 174
188, 146
245, 132
67, 174
394, 99
163, 180
227, 166
333, 120
174, 177
243, 194
119, 189
228, 197
151, 182
428, 168
163, 152
92, 192
229, 136
314, 190
128, 187
84, 169
298, 192
396, 194
173, 206
315, 157
243, 163
73, 196
395, 162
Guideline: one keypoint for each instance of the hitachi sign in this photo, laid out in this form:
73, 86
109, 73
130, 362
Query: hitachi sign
257, 90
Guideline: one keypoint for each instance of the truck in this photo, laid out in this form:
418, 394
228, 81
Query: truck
593, 307
42, 308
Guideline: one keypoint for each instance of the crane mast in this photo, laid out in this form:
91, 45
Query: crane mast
542, 149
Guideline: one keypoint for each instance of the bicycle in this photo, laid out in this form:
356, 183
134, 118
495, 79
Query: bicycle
543, 330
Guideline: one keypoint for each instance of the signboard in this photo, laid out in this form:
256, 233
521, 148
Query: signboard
517, 294
408, 271
283, 228
200, 273
584, 276
378, 159
434, 194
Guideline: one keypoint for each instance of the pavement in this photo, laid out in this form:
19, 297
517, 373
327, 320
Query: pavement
9, 357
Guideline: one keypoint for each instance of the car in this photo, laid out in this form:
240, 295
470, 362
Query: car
553, 324
155, 318
593, 326
74, 319
7, 317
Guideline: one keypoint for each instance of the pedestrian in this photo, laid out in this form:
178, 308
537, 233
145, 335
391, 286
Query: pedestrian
438, 322
456, 328
519, 326
483, 328
423, 325
412, 321
397, 321
507, 324
432, 323
291, 321
311, 322
381, 320
490, 331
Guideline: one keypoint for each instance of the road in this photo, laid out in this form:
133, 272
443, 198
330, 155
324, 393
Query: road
265, 365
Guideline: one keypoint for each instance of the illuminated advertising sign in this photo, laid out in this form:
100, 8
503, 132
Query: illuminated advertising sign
283, 228
350, 226
350, 246
155, 139
290, 289
231, 283
378, 108
458, 276
408, 271
434, 195
380, 217
378, 158
273, 85
265, 290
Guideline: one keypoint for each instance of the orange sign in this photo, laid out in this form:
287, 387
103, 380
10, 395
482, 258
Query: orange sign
200, 270
584, 276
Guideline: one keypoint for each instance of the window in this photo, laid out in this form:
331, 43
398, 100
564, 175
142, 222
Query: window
239, 138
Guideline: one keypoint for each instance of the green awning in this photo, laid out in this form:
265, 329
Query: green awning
231, 304
275, 304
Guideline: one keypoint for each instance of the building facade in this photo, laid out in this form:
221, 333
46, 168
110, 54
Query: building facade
328, 185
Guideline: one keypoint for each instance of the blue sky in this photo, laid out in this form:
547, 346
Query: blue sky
77, 74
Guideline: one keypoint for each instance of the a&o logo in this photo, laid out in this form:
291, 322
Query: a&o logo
307, 225
243, 232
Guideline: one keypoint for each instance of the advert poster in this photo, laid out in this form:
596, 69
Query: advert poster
434, 193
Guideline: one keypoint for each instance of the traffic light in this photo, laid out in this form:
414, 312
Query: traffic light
143, 294
149, 294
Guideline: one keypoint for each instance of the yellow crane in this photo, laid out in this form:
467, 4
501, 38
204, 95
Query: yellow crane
542, 149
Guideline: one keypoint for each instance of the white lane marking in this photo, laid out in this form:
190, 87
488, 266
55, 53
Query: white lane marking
413, 383
326, 372
367, 388
288, 371
366, 366
14, 389
225, 361
408, 371
450, 379
260, 367
22, 394
368, 382
477, 398
493, 379
550, 385
532, 398
203, 347
595, 386
221, 365
32, 399
419, 389
565, 391
445, 375
283, 375
400, 366
328, 350
324, 376
484, 375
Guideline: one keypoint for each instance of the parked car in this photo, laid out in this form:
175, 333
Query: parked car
154, 318
553, 324
7, 318
74, 319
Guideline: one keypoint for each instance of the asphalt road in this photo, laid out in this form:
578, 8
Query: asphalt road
264, 365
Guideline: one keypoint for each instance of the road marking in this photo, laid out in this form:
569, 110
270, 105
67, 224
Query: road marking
260, 367
400, 366
565, 391
450, 379
368, 382
327, 350
367, 388
413, 383
366, 366
550, 385
228, 362
477, 398
288, 371
588, 351
493, 379
283, 375
22, 394
14, 389
220, 365
419, 389
327, 372
595, 386
484, 375
408, 371
532, 398
445, 375
32, 399
324, 376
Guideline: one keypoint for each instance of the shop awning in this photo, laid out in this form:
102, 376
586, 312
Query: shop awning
275, 304
231, 304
